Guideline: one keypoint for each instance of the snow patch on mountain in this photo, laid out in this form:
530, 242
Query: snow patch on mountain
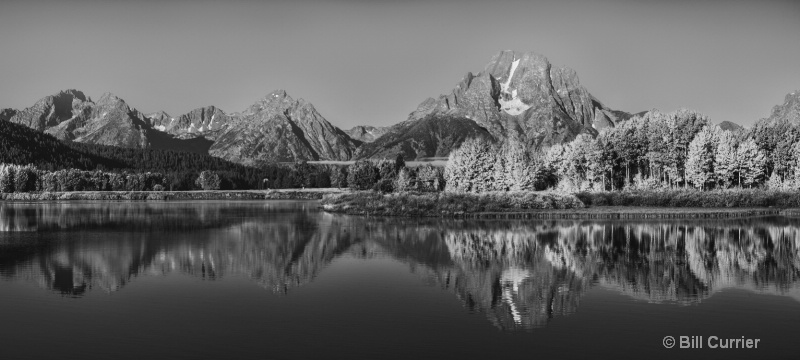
510, 103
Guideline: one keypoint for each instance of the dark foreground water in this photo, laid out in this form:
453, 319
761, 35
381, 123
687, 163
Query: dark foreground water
264, 280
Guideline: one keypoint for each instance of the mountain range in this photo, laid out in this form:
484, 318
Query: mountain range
518, 94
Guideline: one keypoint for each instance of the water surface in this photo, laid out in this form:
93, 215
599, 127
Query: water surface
264, 280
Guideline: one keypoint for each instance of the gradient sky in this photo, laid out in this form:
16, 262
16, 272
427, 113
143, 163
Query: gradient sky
373, 62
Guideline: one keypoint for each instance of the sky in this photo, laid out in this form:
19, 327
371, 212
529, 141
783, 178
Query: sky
372, 62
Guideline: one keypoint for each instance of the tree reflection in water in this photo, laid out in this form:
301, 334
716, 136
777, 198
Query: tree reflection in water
519, 273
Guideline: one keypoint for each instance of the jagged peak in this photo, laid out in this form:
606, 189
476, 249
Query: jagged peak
729, 126
208, 108
160, 113
278, 94
276, 99
500, 63
109, 97
73, 93
790, 98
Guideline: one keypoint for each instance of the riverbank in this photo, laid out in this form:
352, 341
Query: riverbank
445, 203
694, 198
278, 194
641, 213
531, 205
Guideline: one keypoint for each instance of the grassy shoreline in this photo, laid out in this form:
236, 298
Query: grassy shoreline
445, 203
281, 194
674, 204
693, 198
545, 205
641, 213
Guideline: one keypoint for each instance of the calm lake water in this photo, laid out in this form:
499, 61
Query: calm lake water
280, 280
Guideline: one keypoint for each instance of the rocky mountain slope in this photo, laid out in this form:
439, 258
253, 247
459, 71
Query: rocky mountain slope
278, 128
275, 129
71, 115
431, 136
22, 145
7, 113
207, 121
730, 126
52, 110
366, 133
517, 94
789, 111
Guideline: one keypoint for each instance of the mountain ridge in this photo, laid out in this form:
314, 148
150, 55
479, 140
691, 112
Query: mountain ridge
517, 94
70, 115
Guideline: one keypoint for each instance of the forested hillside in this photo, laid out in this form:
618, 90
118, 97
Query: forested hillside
23, 146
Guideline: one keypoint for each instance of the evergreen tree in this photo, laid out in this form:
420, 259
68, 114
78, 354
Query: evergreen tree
362, 175
387, 169
399, 162
339, 177
303, 174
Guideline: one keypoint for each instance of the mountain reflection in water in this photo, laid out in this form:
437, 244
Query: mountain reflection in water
519, 273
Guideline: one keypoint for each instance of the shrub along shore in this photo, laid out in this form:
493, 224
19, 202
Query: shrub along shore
445, 203
314, 194
694, 198
666, 204
673, 204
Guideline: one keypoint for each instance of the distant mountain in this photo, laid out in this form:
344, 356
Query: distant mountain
781, 125
275, 129
730, 126
278, 128
789, 111
109, 122
159, 120
517, 94
431, 136
207, 121
366, 133
71, 115
6, 114
22, 145
52, 110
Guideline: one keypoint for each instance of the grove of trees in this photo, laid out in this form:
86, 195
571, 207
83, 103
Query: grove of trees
652, 151
393, 176
26, 178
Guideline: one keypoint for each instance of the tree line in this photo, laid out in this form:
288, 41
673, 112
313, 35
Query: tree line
390, 176
650, 151
27, 178
21, 145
